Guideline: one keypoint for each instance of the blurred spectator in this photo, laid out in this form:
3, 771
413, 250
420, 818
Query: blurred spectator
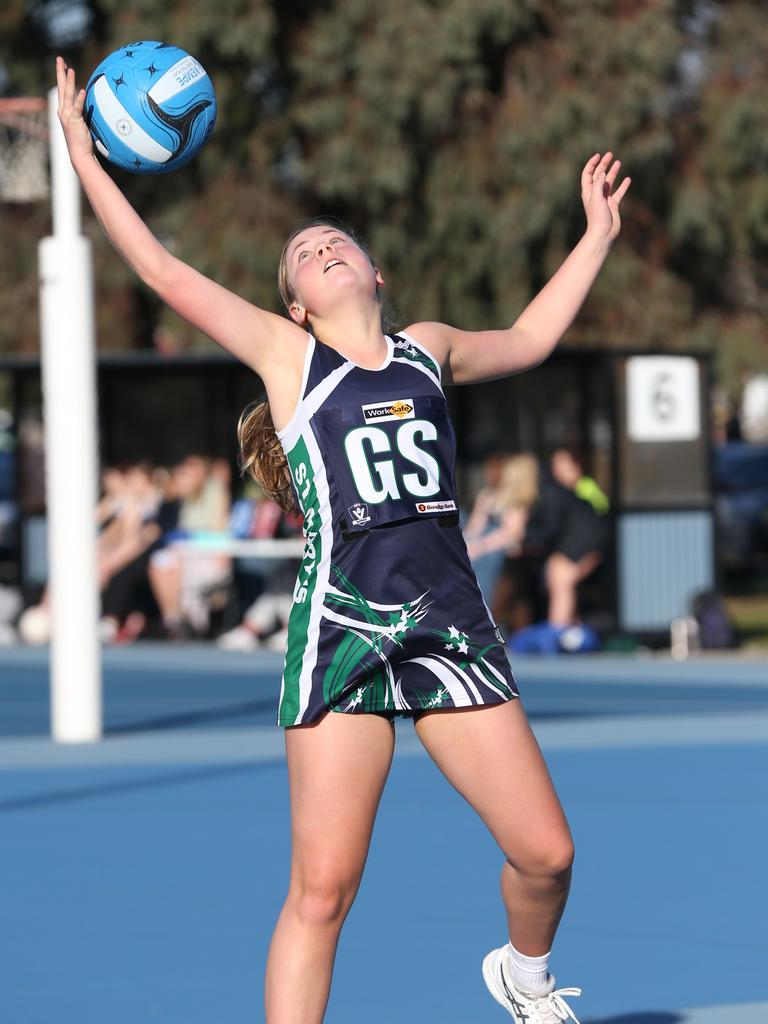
183, 585
130, 517
484, 519
32, 456
542, 519
265, 623
202, 487
113, 490
130, 510
568, 469
754, 408
143, 580
740, 477
221, 471
9, 509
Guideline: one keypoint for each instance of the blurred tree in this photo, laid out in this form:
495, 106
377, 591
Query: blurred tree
718, 216
452, 132
225, 213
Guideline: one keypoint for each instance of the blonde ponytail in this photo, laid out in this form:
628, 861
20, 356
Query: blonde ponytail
262, 456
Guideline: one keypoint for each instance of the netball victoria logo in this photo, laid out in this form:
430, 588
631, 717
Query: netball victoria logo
358, 515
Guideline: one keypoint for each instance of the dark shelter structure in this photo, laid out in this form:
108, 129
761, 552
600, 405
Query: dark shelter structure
638, 420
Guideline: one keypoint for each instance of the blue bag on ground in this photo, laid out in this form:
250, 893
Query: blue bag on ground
544, 638
716, 630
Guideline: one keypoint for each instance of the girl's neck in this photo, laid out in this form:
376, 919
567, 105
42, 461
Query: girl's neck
355, 333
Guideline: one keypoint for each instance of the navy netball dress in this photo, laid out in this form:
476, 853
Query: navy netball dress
387, 614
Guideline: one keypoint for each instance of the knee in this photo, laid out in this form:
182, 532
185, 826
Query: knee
322, 897
560, 571
552, 859
558, 859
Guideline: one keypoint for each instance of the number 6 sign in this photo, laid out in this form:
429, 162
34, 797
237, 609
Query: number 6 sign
663, 398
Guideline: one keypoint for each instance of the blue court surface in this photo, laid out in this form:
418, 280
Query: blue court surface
142, 875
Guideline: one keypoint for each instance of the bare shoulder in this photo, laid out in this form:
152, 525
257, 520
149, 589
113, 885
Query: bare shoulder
287, 346
270, 344
471, 356
281, 368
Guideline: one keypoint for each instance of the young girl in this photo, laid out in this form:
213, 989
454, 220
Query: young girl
387, 614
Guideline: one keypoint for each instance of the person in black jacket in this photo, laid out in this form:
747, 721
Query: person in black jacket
539, 517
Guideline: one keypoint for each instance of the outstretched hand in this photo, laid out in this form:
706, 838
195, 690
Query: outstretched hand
601, 201
71, 103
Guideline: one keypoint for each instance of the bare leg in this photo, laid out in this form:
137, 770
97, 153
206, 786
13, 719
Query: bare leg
563, 576
165, 581
337, 770
492, 758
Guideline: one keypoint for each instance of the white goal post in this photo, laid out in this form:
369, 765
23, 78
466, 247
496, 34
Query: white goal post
69, 400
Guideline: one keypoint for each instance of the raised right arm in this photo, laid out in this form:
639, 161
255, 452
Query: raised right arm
264, 341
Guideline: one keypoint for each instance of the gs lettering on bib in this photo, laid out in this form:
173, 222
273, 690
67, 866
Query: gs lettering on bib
390, 460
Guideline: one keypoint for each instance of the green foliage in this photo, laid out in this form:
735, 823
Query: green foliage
452, 133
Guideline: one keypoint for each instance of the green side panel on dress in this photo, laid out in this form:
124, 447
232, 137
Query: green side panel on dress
299, 621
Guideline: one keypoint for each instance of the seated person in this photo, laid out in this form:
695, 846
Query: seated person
542, 518
132, 531
265, 623
181, 584
482, 520
568, 469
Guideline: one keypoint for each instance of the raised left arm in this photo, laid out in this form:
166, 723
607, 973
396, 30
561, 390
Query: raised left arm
469, 356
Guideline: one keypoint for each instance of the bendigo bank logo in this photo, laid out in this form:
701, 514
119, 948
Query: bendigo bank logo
436, 506
381, 412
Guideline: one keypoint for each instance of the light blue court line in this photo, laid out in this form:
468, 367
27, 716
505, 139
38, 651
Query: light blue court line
650, 669
195, 658
724, 728
750, 669
265, 743
209, 746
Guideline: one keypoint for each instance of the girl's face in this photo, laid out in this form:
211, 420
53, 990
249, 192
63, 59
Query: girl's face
323, 263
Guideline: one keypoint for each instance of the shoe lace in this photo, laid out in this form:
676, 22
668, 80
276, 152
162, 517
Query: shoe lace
560, 1008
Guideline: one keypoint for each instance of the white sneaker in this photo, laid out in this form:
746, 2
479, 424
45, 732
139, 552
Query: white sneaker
238, 639
526, 1008
107, 630
278, 641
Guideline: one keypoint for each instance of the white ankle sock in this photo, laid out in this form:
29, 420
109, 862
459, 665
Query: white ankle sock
529, 973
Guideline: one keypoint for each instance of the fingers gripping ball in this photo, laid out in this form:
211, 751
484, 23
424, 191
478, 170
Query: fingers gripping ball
150, 107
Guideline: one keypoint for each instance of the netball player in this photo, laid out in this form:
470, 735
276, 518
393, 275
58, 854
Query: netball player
387, 615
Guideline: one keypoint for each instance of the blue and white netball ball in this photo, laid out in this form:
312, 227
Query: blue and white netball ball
150, 107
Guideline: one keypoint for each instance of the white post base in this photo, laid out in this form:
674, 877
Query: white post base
69, 390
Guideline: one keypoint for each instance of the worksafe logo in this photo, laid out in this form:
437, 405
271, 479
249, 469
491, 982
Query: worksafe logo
381, 412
